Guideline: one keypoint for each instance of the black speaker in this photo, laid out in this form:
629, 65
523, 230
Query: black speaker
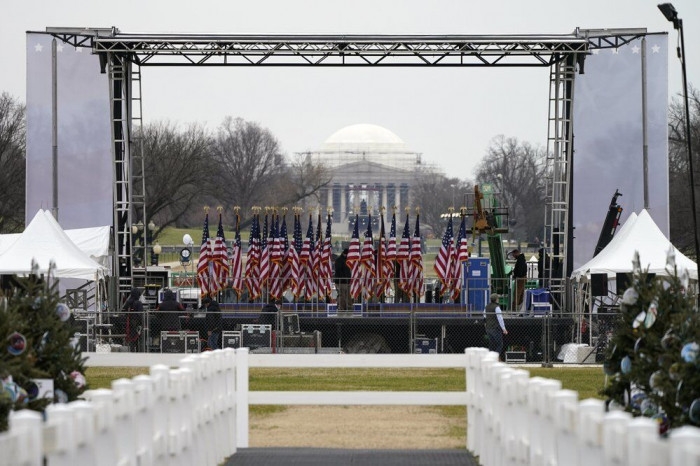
622, 282
599, 284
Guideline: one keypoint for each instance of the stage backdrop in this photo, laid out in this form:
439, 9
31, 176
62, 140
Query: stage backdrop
84, 138
608, 144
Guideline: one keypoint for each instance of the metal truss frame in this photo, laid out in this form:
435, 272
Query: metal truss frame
563, 54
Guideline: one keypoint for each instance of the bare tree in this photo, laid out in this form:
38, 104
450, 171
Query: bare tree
516, 169
246, 165
303, 179
681, 218
435, 193
177, 164
12, 164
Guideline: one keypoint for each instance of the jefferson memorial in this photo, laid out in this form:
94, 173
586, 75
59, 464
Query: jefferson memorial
371, 167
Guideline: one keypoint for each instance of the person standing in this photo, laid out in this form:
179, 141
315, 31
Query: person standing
520, 275
495, 326
134, 319
343, 274
169, 311
212, 320
269, 314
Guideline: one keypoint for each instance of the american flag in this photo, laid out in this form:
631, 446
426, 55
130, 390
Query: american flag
237, 260
384, 267
316, 258
353, 261
204, 258
307, 261
285, 271
275, 258
326, 265
444, 260
252, 266
368, 260
461, 256
265, 248
416, 261
391, 251
403, 254
294, 260
219, 260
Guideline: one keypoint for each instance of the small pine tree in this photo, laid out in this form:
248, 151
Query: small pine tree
652, 358
31, 311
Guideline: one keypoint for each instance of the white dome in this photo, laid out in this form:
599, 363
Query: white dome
363, 134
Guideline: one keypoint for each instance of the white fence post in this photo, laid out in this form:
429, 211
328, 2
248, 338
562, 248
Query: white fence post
59, 436
474, 356
615, 438
534, 433
547, 413
160, 374
685, 446
26, 432
124, 429
144, 419
102, 401
644, 446
84, 419
520, 379
229, 361
590, 442
242, 397
566, 418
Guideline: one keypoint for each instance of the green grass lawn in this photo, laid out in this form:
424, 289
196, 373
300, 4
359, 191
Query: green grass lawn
585, 380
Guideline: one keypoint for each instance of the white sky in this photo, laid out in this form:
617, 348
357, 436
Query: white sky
449, 114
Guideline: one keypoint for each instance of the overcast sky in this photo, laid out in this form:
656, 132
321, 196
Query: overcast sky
449, 115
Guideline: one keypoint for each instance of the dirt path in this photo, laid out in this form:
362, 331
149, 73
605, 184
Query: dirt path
414, 427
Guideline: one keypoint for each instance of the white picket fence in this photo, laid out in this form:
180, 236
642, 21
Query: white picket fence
515, 419
197, 413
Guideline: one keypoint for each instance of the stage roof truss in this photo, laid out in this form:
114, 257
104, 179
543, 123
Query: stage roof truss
126, 53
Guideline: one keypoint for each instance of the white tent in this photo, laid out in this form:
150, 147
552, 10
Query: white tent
641, 235
44, 242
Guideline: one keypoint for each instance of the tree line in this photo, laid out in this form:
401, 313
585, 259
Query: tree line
242, 163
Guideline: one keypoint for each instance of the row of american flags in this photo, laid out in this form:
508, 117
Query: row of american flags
275, 265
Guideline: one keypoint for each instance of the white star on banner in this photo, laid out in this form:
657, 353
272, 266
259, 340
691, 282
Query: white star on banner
78, 50
59, 47
635, 49
595, 51
616, 51
655, 49
38, 48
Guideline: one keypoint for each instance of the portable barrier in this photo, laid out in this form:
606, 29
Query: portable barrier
197, 413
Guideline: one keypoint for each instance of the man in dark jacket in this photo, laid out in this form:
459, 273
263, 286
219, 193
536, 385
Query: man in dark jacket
342, 281
269, 314
520, 275
495, 326
212, 322
169, 311
134, 319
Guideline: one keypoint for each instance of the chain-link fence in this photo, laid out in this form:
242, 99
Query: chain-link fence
539, 331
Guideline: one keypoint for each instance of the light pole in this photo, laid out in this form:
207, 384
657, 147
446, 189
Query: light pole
672, 15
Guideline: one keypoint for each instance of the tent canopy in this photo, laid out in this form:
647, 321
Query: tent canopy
638, 234
44, 242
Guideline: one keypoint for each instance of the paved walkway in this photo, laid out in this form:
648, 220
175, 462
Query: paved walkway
348, 457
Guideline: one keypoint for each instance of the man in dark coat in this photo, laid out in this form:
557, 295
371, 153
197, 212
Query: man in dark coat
342, 281
269, 314
520, 275
212, 321
495, 326
169, 312
134, 319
